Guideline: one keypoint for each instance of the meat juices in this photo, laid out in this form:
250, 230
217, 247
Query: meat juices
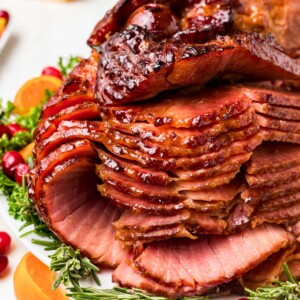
154, 151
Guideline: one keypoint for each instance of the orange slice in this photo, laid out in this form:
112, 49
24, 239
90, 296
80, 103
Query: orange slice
32, 92
33, 280
27, 151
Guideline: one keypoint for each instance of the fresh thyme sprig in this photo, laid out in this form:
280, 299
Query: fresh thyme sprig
118, 293
66, 65
280, 290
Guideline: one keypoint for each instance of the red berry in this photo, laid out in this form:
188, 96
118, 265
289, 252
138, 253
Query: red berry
10, 161
51, 71
3, 263
4, 242
14, 128
4, 130
5, 15
20, 171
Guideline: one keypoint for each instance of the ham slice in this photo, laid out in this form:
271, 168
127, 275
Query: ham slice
151, 176
207, 183
153, 228
68, 131
225, 192
132, 169
137, 205
77, 88
280, 215
273, 178
274, 97
185, 138
273, 157
134, 279
281, 125
154, 149
130, 237
231, 164
72, 205
203, 161
139, 222
206, 212
279, 202
85, 111
279, 112
213, 251
126, 185
194, 267
267, 193
203, 108
53, 160
280, 136
58, 103
99, 244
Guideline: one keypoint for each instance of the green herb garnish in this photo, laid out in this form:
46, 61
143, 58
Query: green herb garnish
28, 121
67, 65
118, 293
280, 290
71, 267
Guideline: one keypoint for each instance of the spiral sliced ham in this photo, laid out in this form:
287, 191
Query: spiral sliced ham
157, 155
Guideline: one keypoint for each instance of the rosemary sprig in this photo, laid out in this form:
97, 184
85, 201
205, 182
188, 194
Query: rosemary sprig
118, 293
280, 290
66, 65
71, 267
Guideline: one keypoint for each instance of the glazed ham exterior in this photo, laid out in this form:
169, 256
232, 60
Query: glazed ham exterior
176, 63
276, 17
147, 157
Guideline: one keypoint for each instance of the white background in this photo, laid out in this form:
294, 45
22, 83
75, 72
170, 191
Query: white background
41, 31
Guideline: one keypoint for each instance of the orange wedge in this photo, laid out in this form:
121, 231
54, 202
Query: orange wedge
27, 151
32, 92
33, 280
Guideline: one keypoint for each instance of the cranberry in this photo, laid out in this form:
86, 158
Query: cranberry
4, 242
10, 161
14, 128
51, 71
20, 171
5, 15
4, 130
3, 263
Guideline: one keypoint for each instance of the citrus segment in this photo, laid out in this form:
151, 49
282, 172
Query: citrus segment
27, 151
33, 280
33, 91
